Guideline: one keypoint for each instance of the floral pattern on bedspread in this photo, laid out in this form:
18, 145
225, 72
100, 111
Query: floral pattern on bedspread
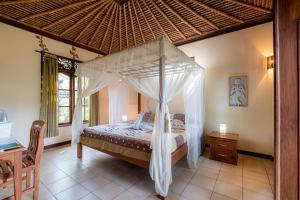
124, 136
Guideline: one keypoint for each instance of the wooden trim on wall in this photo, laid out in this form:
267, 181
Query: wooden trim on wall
50, 146
287, 12
298, 54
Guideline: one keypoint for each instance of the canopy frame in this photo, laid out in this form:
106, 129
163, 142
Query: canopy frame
135, 66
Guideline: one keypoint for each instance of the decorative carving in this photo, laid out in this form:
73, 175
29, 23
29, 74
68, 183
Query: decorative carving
73, 52
41, 43
64, 63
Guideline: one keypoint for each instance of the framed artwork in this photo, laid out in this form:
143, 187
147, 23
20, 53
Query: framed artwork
238, 91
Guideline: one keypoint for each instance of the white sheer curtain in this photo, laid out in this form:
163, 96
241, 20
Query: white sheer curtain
87, 85
194, 115
157, 70
161, 157
118, 102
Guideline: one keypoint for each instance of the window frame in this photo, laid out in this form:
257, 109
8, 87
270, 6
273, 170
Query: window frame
71, 73
71, 97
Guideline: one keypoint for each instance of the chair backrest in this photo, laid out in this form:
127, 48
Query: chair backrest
36, 144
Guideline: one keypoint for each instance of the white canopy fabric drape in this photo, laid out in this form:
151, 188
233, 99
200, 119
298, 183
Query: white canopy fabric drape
157, 70
118, 102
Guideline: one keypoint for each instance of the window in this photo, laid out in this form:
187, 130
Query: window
68, 92
64, 98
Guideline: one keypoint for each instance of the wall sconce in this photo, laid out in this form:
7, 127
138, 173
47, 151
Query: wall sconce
270, 62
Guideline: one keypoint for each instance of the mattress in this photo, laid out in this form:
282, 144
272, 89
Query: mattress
123, 139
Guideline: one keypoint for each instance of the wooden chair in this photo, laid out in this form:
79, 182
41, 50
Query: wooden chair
30, 161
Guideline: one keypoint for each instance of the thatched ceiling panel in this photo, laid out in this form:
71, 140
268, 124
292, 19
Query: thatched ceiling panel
105, 26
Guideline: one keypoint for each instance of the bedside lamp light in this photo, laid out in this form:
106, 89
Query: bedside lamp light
124, 118
223, 129
270, 62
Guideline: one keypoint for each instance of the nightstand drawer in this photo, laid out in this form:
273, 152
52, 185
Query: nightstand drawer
223, 144
223, 147
224, 155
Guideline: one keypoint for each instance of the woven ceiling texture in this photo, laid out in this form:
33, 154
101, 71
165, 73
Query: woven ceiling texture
108, 26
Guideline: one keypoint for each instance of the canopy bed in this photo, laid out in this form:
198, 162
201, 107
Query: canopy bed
157, 70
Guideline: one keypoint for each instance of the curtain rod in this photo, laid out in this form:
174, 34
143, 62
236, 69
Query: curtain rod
41, 52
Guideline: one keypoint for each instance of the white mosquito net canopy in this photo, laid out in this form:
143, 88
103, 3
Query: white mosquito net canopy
158, 70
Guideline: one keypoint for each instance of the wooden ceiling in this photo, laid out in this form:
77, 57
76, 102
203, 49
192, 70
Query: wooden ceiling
106, 26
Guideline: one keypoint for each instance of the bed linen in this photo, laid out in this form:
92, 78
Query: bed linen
125, 140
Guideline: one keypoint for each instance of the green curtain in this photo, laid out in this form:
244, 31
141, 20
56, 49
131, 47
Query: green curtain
49, 104
94, 109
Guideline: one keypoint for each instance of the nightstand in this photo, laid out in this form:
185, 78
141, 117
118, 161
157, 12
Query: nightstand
223, 147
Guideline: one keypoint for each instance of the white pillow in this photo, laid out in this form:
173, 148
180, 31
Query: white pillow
138, 121
177, 124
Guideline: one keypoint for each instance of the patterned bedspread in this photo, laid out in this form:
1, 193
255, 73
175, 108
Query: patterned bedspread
124, 135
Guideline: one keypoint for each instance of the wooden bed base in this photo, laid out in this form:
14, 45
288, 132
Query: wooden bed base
176, 155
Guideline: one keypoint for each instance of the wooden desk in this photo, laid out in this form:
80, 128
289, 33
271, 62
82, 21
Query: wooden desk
15, 156
223, 147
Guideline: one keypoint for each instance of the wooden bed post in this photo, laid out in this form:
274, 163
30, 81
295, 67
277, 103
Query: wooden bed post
79, 150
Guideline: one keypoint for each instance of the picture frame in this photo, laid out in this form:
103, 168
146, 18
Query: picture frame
238, 91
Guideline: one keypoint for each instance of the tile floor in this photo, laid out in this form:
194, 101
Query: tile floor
100, 177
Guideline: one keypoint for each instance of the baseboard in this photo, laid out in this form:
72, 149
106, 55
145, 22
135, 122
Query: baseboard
250, 153
50, 146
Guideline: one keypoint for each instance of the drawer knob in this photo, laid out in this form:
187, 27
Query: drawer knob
222, 145
223, 155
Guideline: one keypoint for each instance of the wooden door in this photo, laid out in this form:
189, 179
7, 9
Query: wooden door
287, 14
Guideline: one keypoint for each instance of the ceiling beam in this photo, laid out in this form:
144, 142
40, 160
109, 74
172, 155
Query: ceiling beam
7, 3
167, 18
125, 21
101, 23
145, 19
138, 21
66, 18
198, 15
131, 22
104, 6
226, 30
79, 21
120, 29
217, 11
250, 6
108, 25
36, 30
53, 10
180, 17
114, 30
157, 22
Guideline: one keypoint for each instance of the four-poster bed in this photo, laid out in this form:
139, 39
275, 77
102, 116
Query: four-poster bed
157, 70
135, 150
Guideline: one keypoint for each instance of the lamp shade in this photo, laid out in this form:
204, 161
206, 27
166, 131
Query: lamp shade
223, 129
124, 118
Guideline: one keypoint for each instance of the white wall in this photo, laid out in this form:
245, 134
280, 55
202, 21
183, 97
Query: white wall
236, 53
104, 105
241, 52
20, 79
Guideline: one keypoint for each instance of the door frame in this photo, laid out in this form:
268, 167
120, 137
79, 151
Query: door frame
287, 152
